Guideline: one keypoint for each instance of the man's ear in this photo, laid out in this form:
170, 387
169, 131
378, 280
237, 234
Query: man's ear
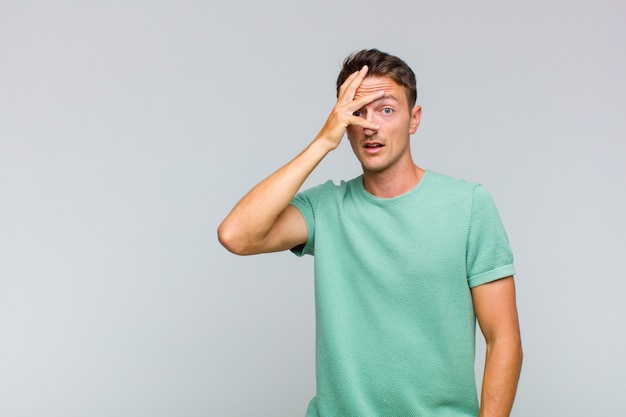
416, 115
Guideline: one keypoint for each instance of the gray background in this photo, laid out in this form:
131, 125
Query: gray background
128, 129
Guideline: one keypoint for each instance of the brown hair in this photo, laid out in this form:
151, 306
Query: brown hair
380, 64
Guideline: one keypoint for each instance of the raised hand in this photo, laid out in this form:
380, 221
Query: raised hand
342, 114
263, 220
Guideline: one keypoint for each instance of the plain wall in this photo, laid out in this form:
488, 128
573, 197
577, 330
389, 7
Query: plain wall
129, 129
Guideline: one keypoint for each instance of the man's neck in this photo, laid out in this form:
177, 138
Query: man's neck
389, 184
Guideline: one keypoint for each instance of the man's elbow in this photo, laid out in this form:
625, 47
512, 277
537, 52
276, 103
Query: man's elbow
519, 352
228, 237
517, 358
511, 349
516, 352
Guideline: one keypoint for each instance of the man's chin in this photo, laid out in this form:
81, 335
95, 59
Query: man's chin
373, 168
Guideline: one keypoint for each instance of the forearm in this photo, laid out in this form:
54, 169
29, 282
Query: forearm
251, 226
502, 369
254, 215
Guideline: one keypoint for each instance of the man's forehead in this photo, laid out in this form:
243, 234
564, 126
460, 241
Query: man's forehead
375, 84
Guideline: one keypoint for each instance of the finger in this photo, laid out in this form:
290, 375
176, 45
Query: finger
356, 82
346, 82
361, 122
358, 103
352, 83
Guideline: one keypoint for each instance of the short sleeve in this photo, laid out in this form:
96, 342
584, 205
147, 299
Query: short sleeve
305, 202
489, 255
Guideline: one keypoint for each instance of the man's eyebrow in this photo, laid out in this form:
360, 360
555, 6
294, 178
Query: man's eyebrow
387, 97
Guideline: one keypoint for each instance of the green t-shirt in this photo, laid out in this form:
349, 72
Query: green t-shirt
395, 324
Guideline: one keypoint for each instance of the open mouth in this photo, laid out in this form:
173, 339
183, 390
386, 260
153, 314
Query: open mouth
373, 145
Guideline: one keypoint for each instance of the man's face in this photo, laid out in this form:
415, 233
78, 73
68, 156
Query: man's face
388, 146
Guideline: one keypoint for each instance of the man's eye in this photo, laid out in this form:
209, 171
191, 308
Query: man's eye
357, 113
387, 110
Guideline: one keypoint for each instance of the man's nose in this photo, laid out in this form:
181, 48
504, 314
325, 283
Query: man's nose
369, 116
369, 132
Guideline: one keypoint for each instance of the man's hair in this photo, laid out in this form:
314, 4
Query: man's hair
380, 64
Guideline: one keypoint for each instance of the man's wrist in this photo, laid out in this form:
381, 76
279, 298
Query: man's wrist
322, 146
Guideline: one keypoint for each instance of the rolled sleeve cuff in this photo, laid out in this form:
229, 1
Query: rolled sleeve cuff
493, 275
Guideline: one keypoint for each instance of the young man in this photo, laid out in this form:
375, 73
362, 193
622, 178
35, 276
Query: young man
406, 260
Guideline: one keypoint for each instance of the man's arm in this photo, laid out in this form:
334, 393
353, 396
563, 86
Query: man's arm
263, 221
496, 312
